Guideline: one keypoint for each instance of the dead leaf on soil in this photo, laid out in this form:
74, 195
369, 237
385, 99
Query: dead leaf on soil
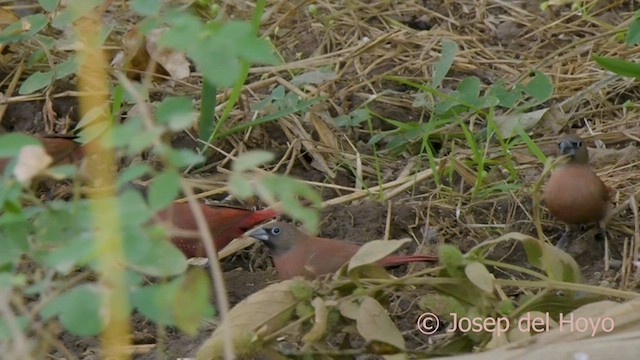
374, 324
174, 62
138, 51
262, 313
7, 17
508, 124
319, 323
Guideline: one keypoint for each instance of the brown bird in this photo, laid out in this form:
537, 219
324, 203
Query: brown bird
61, 147
574, 193
295, 253
225, 223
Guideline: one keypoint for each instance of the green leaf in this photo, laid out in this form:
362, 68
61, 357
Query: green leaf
144, 140
125, 134
14, 232
6, 333
9, 280
49, 5
251, 159
207, 120
88, 118
469, 90
240, 187
441, 68
61, 222
154, 301
176, 113
289, 190
216, 66
633, 35
133, 209
10, 144
153, 256
182, 302
36, 57
184, 29
74, 11
66, 68
24, 29
354, 118
131, 173
164, 189
258, 51
139, 90
72, 254
79, 309
478, 274
557, 264
146, 7
35, 82
195, 290
452, 259
505, 97
183, 157
618, 66
540, 87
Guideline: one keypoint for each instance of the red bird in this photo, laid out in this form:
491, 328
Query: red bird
62, 148
574, 193
297, 254
225, 223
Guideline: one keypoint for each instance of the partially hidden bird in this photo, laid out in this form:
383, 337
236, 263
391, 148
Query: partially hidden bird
61, 147
295, 253
226, 223
574, 194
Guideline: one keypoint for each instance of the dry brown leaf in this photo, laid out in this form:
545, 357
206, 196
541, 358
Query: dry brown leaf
263, 312
320, 321
7, 17
374, 324
509, 123
174, 62
327, 137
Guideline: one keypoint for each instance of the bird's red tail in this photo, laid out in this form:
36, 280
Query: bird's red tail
395, 260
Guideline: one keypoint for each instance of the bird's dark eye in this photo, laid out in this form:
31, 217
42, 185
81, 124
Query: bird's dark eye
275, 230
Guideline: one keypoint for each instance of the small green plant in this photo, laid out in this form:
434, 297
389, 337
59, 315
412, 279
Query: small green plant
450, 110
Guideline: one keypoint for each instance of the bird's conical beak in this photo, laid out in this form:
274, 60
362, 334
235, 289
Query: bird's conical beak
260, 234
566, 147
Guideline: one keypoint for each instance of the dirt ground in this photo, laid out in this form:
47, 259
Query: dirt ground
428, 213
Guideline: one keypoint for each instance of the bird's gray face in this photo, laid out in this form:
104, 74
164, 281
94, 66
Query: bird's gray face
274, 236
573, 146
569, 146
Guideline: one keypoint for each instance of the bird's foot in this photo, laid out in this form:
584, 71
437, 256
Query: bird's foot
562, 243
